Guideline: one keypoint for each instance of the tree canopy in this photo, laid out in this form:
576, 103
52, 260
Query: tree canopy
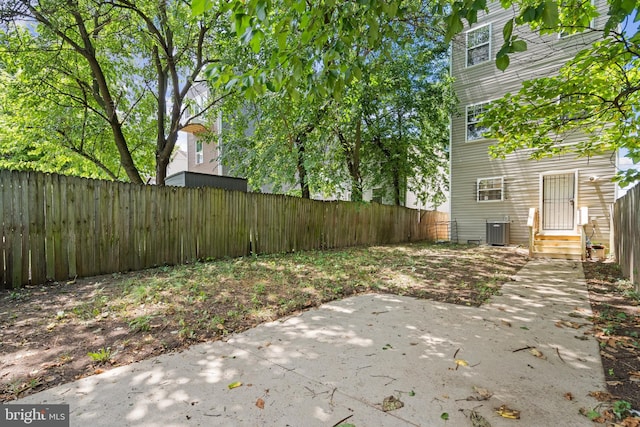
123, 67
385, 128
602, 79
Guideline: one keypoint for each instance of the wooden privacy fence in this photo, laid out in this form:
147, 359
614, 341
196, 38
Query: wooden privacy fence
626, 224
57, 227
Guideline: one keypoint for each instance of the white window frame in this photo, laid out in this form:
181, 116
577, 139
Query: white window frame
467, 47
199, 152
479, 190
467, 122
198, 104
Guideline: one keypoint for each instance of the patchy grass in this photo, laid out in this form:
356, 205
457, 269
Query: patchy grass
60, 332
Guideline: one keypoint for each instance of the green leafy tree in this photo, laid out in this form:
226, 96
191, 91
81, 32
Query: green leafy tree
406, 104
309, 45
79, 37
128, 64
47, 114
388, 129
277, 144
607, 112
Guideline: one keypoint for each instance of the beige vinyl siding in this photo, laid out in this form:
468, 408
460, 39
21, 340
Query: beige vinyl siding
522, 191
522, 177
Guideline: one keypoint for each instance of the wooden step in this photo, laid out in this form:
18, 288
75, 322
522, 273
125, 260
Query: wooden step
558, 247
557, 243
558, 237
573, 257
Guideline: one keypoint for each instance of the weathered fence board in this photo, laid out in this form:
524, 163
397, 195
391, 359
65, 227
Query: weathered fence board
56, 227
36, 229
626, 219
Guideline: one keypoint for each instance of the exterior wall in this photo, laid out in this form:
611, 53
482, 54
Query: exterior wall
178, 162
413, 202
522, 177
210, 163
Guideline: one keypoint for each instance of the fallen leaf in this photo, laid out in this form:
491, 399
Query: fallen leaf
631, 422
537, 353
391, 403
444, 416
482, 392
234, 385
506, 412
504, 322
98, 371
566, 323
462, 362
478, 420
260, 403
568, 396
601, 396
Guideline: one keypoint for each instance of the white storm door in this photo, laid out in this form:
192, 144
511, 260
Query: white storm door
558, 202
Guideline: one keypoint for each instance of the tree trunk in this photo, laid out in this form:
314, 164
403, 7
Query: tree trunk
101, 92
302, 170
352, 157
396, 186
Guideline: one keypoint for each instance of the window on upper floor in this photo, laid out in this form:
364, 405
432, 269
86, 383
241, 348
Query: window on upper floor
199, 152
473, 114
479, 45
490, 189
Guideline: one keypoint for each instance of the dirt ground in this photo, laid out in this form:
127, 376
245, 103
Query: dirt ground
56, 333
616, 309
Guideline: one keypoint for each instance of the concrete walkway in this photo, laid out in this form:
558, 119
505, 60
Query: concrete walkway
342, 360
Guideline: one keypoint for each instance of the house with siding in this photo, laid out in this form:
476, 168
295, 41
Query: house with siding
551, 205
201, 157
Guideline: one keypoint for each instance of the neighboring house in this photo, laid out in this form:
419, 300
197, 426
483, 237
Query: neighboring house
202, 157
178, 161
560, 201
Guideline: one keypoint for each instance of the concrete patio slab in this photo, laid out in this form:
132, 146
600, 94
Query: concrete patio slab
530, 348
